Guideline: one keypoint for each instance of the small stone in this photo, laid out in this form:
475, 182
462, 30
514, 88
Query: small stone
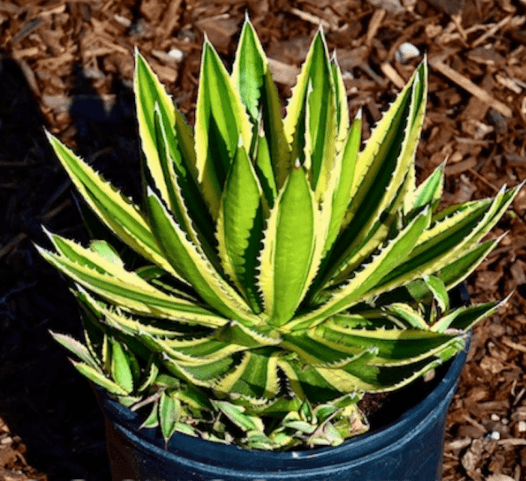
176, 54
522, 426
495, 417
406, 52
122, 20
429, 376
495, 435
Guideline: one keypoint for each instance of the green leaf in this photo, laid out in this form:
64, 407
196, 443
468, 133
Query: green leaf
256, 376
364, 372
118, 213
322, 383
250, 69
166, 381
430, 191
237, 415
295, 117
258, 440
342, 111
301, 426
168, 170
186, 258
418, 105
168, 144
152, 421
395, 347
106, 353
169, 409
455, 272
121, 369
76, 348
221, 120
451, 275
313, 105
366, 278
235, 333
314, 351
197, 351
95, 376
205, 374
195, 398
263, 166
149, 97
150, 374
408, 315
383, 151
184, 199
287, 255
123, 323
240, 225
278, 273
448, 240
251, 75
381, 180
326, 435
464, 318
186, 429
124, 288
342, 175
93, 331
439, 291
149, 92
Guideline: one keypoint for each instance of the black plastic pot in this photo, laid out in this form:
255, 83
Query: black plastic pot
410, 449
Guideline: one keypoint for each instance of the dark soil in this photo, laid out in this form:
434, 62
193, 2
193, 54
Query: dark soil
66, 66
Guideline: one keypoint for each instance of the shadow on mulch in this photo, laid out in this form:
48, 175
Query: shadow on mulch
47, 403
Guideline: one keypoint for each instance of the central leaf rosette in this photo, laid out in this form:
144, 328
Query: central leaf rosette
282, 271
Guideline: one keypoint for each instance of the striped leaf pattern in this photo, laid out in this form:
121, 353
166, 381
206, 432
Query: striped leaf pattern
284, 271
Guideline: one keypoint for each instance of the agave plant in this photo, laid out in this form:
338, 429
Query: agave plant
279, 271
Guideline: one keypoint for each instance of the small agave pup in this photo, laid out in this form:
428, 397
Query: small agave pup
278, 273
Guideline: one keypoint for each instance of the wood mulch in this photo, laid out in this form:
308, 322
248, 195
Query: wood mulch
67, 66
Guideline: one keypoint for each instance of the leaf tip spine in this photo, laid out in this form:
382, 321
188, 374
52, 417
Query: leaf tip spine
48, 233
520, 185
150, 192
507, 298
359, 115
49, 135
44, 252
500, 237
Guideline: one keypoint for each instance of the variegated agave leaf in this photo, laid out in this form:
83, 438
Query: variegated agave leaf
285, 271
